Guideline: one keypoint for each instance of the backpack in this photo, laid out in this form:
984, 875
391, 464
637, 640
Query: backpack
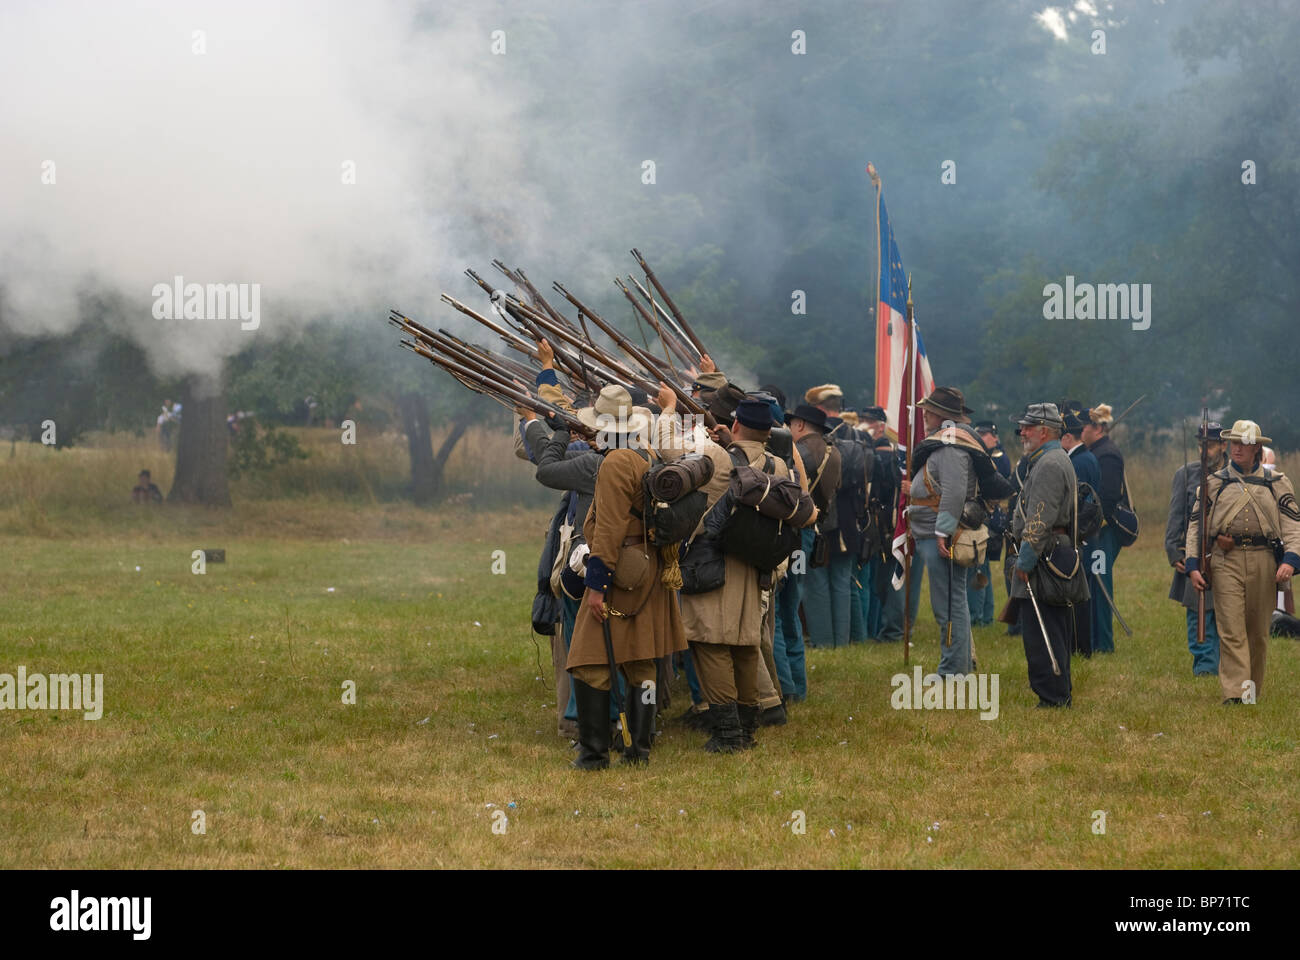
748, 532
670, 522
1088, 510
857, 463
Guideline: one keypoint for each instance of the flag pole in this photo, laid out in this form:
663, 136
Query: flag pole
908, 405
875, 304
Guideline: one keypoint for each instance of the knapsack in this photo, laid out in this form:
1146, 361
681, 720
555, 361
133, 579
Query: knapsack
672, 521
857, 462
762, 541
1089, 513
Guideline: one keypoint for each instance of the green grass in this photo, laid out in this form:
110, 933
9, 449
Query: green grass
223, 694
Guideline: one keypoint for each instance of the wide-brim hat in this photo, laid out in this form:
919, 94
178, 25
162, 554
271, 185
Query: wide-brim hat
614, 412
1247, 432
949, 402
813, 416
1042, 415
722, 404
822, 393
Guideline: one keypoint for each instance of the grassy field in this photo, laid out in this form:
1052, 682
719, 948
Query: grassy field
224, 693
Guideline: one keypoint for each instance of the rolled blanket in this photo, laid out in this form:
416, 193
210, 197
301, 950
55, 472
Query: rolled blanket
674, 480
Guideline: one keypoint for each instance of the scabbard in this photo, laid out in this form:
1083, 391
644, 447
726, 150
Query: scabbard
613, 682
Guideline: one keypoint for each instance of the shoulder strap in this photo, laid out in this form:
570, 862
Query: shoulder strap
1074, 506
1240, 505
820, 470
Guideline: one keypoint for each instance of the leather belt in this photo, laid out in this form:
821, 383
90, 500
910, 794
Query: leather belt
1248, 540
630, 541
1060, 530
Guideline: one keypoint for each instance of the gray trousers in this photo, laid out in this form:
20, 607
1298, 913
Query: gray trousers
948, 601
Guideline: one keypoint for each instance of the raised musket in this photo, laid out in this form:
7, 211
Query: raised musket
632, 350
677, 314
682, 346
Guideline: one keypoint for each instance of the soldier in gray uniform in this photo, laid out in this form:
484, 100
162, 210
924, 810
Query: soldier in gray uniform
1045, 525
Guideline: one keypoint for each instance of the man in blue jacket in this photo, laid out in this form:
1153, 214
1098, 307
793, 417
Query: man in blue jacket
1088, 470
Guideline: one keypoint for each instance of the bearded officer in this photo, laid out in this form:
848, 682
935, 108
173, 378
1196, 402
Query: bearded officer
1043, 523
1251, 513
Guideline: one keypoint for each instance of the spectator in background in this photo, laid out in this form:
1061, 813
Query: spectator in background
145, 490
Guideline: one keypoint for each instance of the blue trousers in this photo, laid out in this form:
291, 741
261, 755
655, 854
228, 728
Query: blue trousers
891, 612
828, 602
857, 603
1205, 656
871, 600
568, 617
787, 639
1103, 622
948, 601
980, 600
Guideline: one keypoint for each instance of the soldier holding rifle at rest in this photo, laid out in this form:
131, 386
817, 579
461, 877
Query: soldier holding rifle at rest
1254, 527
1182, 508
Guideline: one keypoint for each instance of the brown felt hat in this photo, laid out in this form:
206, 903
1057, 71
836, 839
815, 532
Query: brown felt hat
949, 402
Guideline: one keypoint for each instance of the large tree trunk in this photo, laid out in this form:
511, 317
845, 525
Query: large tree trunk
201, 447
444, 451
427, 468
414, 411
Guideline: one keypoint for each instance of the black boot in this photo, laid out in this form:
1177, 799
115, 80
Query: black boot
593, 726
773, 716
694, 718
727, 735
749, 719
641, 725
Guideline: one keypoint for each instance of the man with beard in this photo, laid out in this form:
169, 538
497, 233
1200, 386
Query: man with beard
1044, 523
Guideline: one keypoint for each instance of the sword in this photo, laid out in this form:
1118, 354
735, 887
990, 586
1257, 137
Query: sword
613, 679
1056, 667
1106, 593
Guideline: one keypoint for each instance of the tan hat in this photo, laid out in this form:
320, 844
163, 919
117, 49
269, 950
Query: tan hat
816, 395
1247, 432
613, 412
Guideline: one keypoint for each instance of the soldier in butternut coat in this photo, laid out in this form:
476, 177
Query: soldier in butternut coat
1252, 517
623, 589
724, 626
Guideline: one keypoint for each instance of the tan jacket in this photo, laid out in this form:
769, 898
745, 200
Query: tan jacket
733, 613
1240, 507
653, 625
